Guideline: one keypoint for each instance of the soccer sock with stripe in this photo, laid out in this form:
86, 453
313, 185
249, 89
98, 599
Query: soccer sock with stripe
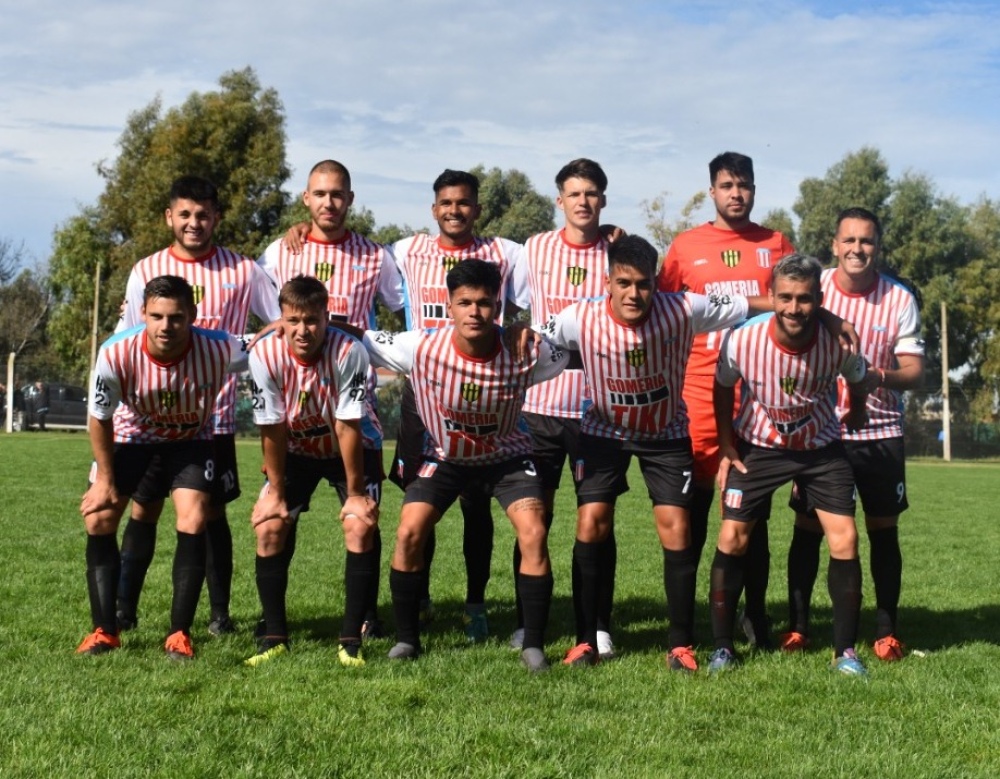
803, 567
844, 583
477, 545
536, 597
360, 568
103, 573
587, 559
886, 561
725, 585
609, 569
680, 569
138, 546
405, 587
219, 564
188, 576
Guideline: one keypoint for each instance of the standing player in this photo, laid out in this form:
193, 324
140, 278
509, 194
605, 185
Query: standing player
560, 268
309, 400
353, 270
787, 428
469, 391
729, 255
154, 390
887, 318
227, 287
634, 344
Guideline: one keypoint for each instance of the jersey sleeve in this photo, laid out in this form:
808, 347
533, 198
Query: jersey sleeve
352, 368
132, 305
268, 262
518, 292
727, 372
268, 398
239, 353
394, 351
716, 312
563, 330
264, 294
551, 361
390, 281
106, 388
909, 340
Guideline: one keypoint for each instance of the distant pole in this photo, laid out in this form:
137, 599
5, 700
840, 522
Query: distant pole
946, 407
9, 400
93, 331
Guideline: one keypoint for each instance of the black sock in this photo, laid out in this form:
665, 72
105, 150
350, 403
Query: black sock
609, 569
189, 574
803, 567
103, 573
680, 573
272, 585
219, 565
757, 573
359, 570
844, 582
701, 505
371, 597
138, 546
477, 545
536, 595
725, 586
430, 547
518, 608
886, 562
587, 558
405, 587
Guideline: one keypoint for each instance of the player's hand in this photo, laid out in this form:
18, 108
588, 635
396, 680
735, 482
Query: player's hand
295, 238
277, 326
99, 496
848, 337
612, 233
728, 458
269, 506
518, 339
362, 507
855, 418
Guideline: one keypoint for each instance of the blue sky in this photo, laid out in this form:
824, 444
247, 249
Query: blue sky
399, 91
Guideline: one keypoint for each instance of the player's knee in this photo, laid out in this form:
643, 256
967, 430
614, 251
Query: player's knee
734, 537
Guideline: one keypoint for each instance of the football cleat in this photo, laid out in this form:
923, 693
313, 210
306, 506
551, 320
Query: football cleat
349, 654
888, 649
517, 639
758, 635
681, 658
534, 660
722, 659
178, 646
793, 642
268, 650
849, 664
605, 647
126, 621
221, 626
477, 629
404, 651
372, 628
581, 655
98, 643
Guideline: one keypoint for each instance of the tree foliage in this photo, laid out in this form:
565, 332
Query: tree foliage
511, 208
660, 230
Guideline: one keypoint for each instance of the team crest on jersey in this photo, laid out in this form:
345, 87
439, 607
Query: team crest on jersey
764, 258
576, 275
168, 398
449, 262
470, 391
731, 257
733, 498
788, 384
636, 357
323, 271
303, 398
199, 293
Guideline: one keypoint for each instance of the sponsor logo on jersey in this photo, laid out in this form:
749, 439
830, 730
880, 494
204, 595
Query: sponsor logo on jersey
470, 391
303, 398
449, 261
788, 384
323, 271
764, 258
731, 257
734, 498
168, 398
636, 357
576, 275
199, 293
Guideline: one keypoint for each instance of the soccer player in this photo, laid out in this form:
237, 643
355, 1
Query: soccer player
634, 344
729, 255
787, 428
469, 391
309, 400
560, 268
354, 270
227, 288
151, 403
887, 317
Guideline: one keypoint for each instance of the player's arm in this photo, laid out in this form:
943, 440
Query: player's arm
295, 238
723, 399
841, 329
855, 371
358, 503
101, 494
552, 360
394, 351
271, 504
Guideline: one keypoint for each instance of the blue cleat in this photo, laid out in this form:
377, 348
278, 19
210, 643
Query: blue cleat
849, 665
722, 659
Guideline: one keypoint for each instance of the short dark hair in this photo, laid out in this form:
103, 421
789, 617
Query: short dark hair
169, 288
457, 178
582, 169
330, 166
739, 165
633, 251
856, 212
478, 274
798, 267
195, 188
303, 293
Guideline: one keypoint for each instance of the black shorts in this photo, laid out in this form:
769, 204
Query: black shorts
440, 483
667, 468
553, 439
303, 475
165, 467
227, 479
410, 440
823, 473
879, 475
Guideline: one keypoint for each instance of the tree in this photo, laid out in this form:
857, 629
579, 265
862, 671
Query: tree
661, 231
11, 258
780, 220
511, 207
24, 306
234, 136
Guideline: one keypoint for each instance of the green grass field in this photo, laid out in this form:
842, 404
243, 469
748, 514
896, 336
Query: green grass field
473, 711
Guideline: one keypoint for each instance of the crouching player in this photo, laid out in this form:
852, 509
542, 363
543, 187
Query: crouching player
309, 400
166, 375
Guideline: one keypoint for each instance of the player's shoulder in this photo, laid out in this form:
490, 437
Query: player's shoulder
756, 322
125, 335
214, 336
225, 257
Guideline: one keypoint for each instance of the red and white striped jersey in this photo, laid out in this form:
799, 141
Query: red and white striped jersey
788, 398
711, 260
636, 373
470, 406
423, 264
227, 287
888, 323
309, 397
154, 402
558, 274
